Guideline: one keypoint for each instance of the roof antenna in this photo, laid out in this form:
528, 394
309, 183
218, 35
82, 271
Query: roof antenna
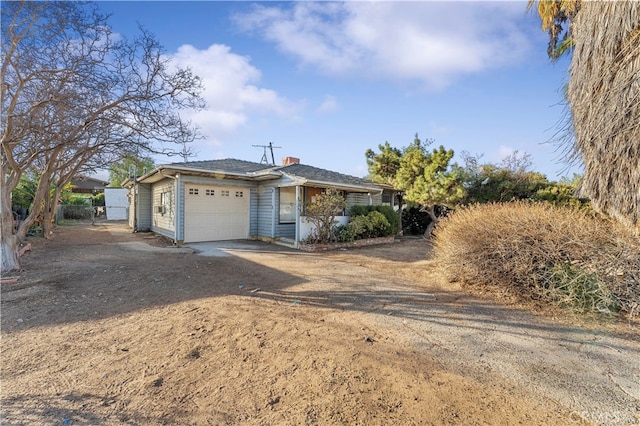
264, 159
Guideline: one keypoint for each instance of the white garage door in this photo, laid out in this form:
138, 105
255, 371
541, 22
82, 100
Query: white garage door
214, 213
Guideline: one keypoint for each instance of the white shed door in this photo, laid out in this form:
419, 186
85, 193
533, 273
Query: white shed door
214, 213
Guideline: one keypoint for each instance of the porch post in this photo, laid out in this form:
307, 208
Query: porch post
297, 239
273, 213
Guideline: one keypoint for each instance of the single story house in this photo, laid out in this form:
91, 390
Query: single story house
235, 199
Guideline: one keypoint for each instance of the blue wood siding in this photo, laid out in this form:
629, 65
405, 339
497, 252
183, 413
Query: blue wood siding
269, 208
253, 211
144, 207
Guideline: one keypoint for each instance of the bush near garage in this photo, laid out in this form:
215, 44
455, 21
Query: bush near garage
545, 253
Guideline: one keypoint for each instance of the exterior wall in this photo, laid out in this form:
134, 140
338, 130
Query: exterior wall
163, 222
363, 199
180, 211
307, 228
143, 207
268, 211
265, 194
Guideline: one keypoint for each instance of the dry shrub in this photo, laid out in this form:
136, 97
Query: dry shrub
543, 252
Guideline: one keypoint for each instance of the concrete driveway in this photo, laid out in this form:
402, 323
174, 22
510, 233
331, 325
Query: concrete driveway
228, 248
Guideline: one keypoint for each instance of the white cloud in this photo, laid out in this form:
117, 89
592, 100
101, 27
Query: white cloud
430, 42
231, 90
329, 104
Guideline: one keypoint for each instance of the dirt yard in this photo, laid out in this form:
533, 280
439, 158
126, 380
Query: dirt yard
106, 327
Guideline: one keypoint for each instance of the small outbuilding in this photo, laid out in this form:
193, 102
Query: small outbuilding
116, 203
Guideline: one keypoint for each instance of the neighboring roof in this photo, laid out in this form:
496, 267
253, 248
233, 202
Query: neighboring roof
82, 182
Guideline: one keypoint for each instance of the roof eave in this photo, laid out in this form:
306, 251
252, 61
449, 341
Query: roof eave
339, 186
173, 170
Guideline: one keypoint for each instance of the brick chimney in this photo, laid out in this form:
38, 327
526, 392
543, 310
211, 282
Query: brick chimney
290, 160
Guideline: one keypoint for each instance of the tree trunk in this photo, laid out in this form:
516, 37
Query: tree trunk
400, 201
434, 220
42, 191
603, 93
50, 205
8, 240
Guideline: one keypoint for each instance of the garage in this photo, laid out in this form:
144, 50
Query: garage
214, 213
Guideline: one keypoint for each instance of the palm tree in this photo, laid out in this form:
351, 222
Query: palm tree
604, 94
557, 16
604, 98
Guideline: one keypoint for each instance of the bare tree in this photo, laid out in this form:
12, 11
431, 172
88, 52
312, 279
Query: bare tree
75, 97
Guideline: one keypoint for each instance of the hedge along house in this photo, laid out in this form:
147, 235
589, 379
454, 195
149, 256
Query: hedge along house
234, 199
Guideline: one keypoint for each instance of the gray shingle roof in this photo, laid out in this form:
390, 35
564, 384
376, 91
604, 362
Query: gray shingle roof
314, 174
228, 165
322, 175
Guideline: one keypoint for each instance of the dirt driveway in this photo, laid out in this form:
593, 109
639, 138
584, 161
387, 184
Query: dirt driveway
106, 327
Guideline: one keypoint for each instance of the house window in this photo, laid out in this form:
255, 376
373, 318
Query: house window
224, 193
310, 196
288, 205
193, 191
239, 194
210, 192
165, 203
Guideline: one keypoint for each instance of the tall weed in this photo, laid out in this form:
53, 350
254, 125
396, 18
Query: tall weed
543, 252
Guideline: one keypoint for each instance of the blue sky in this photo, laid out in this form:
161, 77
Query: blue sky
326, 80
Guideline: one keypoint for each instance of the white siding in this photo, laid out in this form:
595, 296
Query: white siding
163, 222
132, 207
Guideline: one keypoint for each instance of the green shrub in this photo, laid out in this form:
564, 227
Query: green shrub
359, 210
414, 221
345, 234
373, 225
380, 226
578, 289
543, 252
389, 213
360, 226
77, 212
77, 200
562, 195
392, 217
98, 199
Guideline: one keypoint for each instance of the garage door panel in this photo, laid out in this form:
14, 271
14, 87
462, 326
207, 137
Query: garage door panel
216, 213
